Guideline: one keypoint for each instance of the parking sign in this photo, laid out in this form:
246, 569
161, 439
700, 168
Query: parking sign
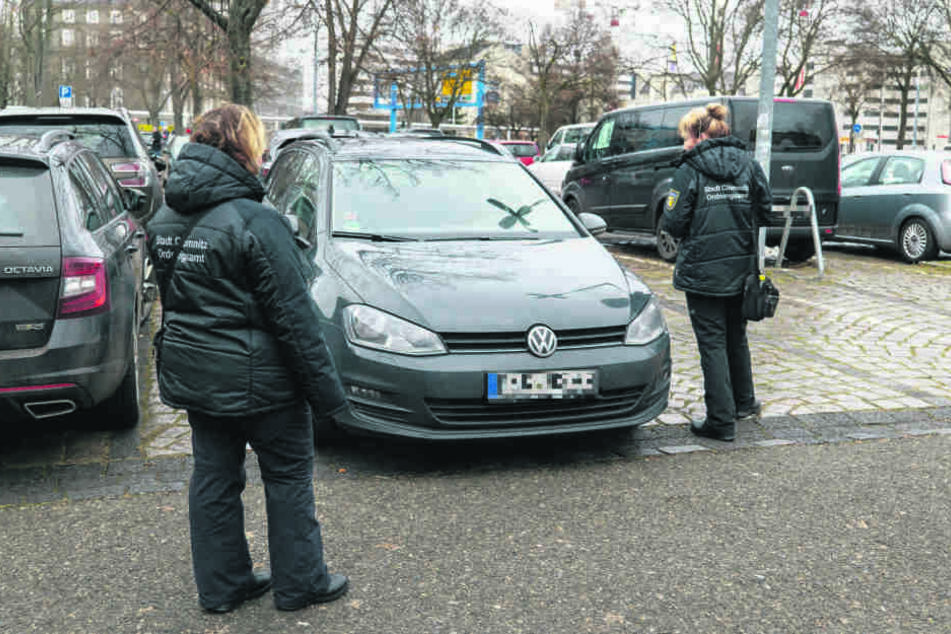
65, 92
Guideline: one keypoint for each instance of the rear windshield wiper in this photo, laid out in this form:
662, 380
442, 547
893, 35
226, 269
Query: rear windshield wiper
375, 237
479, 238
11, 233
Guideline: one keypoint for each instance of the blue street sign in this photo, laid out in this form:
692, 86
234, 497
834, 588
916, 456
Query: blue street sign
856, 128
65, 92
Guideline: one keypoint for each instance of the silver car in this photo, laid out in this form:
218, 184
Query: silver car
899, 199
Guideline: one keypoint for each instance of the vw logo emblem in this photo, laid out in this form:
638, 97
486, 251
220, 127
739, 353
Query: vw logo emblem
542, 341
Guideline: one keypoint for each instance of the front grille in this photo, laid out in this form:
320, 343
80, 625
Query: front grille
474, 342
608, 405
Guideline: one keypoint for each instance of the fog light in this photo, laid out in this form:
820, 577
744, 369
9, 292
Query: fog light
364, 392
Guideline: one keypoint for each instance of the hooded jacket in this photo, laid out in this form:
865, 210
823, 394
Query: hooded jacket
717, 192
241, 332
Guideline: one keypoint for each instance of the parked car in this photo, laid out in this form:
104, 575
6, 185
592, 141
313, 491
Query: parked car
462, 321
71, 283
525, 151
625, 167
573, 133
898, 199
421, 131
553, 165
281, 139
109, 133
330, 122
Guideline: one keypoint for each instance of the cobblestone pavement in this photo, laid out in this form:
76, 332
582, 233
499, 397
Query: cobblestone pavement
864, 352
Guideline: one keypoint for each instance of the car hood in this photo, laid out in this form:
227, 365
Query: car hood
493, 286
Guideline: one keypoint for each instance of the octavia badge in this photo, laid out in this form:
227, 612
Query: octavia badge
542, 341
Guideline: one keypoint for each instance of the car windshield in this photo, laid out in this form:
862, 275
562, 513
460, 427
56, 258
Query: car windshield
443, 199
573, 135
560, 153
107, 137
326, 124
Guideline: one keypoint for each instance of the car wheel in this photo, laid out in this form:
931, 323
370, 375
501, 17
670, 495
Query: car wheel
799, 251
121, 410
667, 245
916, 242
573, 206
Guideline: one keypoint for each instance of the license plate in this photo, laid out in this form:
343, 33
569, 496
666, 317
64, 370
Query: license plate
508, 386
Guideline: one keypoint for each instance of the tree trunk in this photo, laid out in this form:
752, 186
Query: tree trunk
239, 45
331, 58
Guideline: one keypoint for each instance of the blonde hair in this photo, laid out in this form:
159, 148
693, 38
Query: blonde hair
234, 130
710, 119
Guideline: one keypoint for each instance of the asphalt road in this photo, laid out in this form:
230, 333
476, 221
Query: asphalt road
845, 537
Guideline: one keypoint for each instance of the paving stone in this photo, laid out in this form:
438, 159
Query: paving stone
676, 449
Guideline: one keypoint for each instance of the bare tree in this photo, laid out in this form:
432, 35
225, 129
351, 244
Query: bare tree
721, 39
936, 51
859, 75
33, 25
354, 29
441, 39
7, 53
237, 22
568, 64
803, 27
900, 34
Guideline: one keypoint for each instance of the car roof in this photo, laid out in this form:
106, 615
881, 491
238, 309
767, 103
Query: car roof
410, 146
28, 147
516, 142
20, 111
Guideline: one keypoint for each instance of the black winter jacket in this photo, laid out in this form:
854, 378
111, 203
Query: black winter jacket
241, 330
711, 205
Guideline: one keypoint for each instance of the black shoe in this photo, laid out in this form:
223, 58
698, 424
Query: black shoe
261, 584
751, 412
335, 589
703, 428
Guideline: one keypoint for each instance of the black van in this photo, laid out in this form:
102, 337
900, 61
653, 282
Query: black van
623, 170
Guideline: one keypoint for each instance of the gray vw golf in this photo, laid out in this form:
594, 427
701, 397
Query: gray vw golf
460, 299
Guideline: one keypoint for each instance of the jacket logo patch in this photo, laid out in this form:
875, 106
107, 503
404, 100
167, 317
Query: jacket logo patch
672, 198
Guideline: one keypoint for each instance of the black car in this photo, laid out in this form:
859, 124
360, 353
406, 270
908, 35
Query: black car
328, 122
109, 133
624, 168
461, 299
71, 283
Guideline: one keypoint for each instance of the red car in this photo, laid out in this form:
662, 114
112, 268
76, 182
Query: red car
525, 151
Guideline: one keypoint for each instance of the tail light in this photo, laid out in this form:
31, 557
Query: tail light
946, 172
85, 290
131, 173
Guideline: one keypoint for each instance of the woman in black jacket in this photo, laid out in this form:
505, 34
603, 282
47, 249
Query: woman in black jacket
717, 192
242, 352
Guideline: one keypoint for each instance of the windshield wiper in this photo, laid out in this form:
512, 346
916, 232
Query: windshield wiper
11, 233
479, 238
375, 237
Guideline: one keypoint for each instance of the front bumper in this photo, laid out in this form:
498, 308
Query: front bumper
444, 397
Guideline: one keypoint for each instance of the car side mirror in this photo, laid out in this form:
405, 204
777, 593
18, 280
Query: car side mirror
133, 200
297, 229
579, 152
594, 223
160, 163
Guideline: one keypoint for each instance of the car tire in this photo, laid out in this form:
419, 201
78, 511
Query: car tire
573, 206
121, 410
916, 241
667, 245
799, 251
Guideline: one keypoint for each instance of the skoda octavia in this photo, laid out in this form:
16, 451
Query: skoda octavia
461, 299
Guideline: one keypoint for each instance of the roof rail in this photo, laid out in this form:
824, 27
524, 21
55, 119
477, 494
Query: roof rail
483, 144
52, 137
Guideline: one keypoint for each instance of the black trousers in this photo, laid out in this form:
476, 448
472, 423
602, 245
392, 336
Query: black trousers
724, 355
284, 444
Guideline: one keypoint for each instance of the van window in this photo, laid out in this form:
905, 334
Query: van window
601, 142
797, 126
627, 134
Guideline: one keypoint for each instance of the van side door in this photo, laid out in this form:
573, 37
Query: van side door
589, 183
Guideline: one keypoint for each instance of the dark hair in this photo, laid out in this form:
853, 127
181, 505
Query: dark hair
710, 119
234, 130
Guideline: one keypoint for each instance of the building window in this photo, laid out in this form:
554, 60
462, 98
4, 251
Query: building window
67, 37
92, 16
69, 16
115, 71
115, 98
92, 39
88, 69
115, 16
68, 68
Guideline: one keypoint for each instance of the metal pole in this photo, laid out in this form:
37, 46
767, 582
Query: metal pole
767, 86
316, 64
881, 117
914, 138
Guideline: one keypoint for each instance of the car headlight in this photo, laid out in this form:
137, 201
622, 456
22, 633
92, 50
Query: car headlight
647, 326
367, 326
